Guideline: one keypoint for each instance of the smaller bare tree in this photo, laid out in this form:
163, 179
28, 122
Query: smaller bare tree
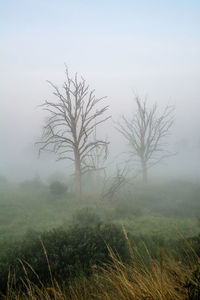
146, 134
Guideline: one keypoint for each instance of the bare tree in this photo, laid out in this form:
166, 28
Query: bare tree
70, 125
146, 134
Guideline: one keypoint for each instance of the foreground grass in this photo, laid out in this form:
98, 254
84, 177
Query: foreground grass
163, 278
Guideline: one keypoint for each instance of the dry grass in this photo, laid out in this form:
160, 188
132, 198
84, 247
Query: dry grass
161, 279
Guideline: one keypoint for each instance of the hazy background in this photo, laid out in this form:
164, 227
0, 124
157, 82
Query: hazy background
150, 48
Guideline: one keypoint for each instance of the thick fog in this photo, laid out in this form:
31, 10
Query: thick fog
122, 49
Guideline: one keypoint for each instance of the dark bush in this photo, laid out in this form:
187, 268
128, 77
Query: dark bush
70, 253
57, 188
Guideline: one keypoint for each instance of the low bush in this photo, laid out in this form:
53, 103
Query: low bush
69, 253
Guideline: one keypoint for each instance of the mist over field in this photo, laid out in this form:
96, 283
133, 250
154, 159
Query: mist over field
121, 50
99, 149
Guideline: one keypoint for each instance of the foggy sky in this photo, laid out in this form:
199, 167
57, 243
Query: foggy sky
150, 48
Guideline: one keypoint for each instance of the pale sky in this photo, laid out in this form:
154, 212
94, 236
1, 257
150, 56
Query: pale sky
151, 48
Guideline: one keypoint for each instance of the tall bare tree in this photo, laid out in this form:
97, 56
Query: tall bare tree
146, 134
72, 120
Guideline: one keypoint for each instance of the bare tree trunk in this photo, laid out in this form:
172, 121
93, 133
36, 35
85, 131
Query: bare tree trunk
144, 172
77, 175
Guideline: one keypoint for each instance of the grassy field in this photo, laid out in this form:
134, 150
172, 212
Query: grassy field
158, 217
156, 210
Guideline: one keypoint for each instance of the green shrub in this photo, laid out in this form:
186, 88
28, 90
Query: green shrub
70, 253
